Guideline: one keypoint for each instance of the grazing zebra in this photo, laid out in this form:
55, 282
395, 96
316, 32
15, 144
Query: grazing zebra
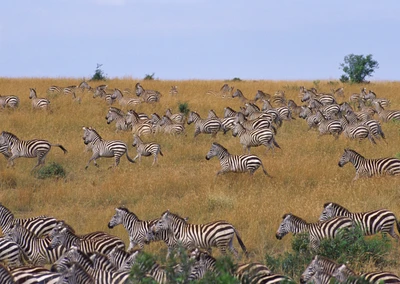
370, 167
218, 234
38, 103
345, 275
317, 231
320, 270
9, 101
5, 275
34, 247
146, 149
254, 138
173, 90
371, 222
117, 95
67, 239
208, 126
207, 264
148, 96
239, 94
234, 163
34, 274
27, 148
104, 148
119, 117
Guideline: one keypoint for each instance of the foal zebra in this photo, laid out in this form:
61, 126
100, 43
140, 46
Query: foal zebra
146, 149
9, 101
215, 234
27, 148
371, 222
208, 126
370, 167
317, 231
234, 163
38, 103
104, 148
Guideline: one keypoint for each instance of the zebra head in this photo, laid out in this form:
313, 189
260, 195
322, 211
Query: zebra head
73, 255
32, 93
306, 96
345, 158
117, 218
342, 273
139, 89
214, 150
328, 212
89, 135
129, 262
164, 223
58, 239
311, 269
238, 93
16, 233
193, 116
284, 227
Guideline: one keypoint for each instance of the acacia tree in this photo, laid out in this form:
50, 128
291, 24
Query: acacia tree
357, 67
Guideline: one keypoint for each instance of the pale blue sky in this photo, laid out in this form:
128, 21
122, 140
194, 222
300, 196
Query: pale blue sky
197, 39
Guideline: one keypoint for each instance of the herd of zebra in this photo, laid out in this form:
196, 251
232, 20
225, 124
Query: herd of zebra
29, 244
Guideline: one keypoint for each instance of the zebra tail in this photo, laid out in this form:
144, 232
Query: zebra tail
265, 171
61, 147
241, 243
276, 144
161, 153
371, 138
129, 158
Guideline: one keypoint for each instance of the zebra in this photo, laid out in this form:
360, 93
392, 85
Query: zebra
146, 149
345, 275
239, 94
252, 112
9, 101
70, 90
208, 126
176, 117
386, 115
234, 163
119, 117
203, 262
173, 90
74, 275
254, 138
317, 231
117, 95
54, 89
294, 108
38, 103
339, 92
122, 259
148, 96
370, 167
320, 269
137, 120
249, 272
34, 274
357, 131
258, 123
27, 148
34, 247
284, 112
11, 254
84, 86
374, 125
67, 239
260, 95
104, 148
108, 97
326, 126
323, 99
371, 222
225, 90
218, 234
170, 127
5, 275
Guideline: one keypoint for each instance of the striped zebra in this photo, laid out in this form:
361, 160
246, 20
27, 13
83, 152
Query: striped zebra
317, 231
34, 274
11, 254
284, 112
252, 111
35, 148
5, 275
67, 239
357, 131
174, 90
117, 115
345, 275
324, 99
176, 117
9, 101
34, 247
258, 123
203, 262
208, 126
371, 222
234, 163
218, 234
370, 167
108, 97
339, 92
84, 86
254, 138
70, 90
148, 96
374, 125
104, 148
146, 149
294, 108
239, 94
117, 95
386, 115
320, 269
54, 89
170, 127
260, 95
136, 120
225, 91
122, 259
328, 126
38, 103
74, 275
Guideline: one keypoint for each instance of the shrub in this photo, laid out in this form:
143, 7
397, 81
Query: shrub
184, 108
149, 77
50, 171
236, 79
98, 74
357, 67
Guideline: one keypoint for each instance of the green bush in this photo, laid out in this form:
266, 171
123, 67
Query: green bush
236, 79
357, 67
98, 74
149, 77
184, 108
52, 170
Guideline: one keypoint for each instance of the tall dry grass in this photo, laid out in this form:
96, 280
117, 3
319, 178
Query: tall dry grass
305, 171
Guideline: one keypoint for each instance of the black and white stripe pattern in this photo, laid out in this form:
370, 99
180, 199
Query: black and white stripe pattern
174, 90
215, 234
317, 231
371, 222
148, 96
121, 259
108, 97
104, 148
38, 103
54, 90
370, 167
35, 148
239, 94
117, 95
357, 131
117, 115
9, 101
170, 127
10, 253
5, 275
34, 274
321, 268
386, 115
208, 126
345, 275
146, 149
175, 117
75, 274
234, 163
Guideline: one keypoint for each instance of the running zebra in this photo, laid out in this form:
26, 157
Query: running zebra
208, 126
176, 117
103, 94
239, 94
371, 222
357, 131
54, 90
70, 90
38, 103
218, 234
345, 275
329, 126
104, 148
260, 95
370, 167
234, 163
117, 95
321, 268
223, 92
339, 92
9, 101
317, 231
84, 86
386, 115
148, 96
27, 148
146, 149
117, 115
254, 138
170, 127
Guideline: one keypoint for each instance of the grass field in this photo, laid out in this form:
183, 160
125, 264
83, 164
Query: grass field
305, 171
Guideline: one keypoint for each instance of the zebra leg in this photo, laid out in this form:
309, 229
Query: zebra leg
155, 159
117, 159
93, 158
232, 248
391, 232
11, 160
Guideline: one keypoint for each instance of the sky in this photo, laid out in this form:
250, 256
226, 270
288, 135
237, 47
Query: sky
197, 39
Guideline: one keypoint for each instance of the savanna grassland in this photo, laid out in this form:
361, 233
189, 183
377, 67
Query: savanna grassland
305, 171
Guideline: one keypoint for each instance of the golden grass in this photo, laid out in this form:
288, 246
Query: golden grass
305, 172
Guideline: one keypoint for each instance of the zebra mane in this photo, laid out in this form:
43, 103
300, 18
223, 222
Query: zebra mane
83, 255
63, 224
220, 146
94, 130
9, 134
324, 258
294, 217
3, 208
175, 216
354, 152
126, 210
156, 115
116, 110
334, 205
